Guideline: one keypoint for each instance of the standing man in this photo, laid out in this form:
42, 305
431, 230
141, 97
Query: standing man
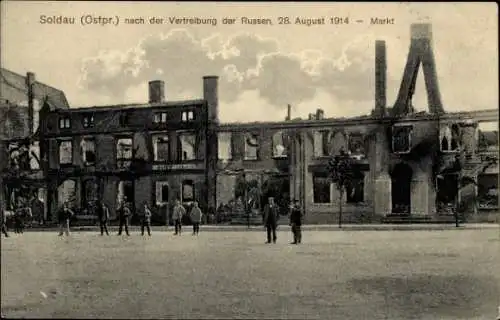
103, 216
146, 219
196, 216
64, 215
296, 221
271, 217
21, 215
177, 215
37, 208
123, 215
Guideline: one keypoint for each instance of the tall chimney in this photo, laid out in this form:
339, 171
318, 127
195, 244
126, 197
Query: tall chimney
288, 113
319, 114
30, 83
211, 95
380, 78
156, 91
421, 31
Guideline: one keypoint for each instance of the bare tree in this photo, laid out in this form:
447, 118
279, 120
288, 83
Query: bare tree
340, 169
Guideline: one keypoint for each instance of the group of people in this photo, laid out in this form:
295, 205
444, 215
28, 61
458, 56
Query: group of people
125, 212
270, 219
20, 217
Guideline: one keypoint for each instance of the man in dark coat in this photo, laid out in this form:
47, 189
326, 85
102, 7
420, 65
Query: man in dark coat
146, 218
271, 217
22, 213
123, 215
64, 215
37, 209
296, 221
103, 216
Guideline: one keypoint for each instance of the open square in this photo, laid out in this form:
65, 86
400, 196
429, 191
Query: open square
449, 274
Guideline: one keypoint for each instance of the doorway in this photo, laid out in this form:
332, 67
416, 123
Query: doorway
126, 191
401, 189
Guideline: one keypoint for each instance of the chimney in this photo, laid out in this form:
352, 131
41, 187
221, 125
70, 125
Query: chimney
288, 113
311, 116
380, 78
320, 114
156, 91
211, 96
421, 31
30, 84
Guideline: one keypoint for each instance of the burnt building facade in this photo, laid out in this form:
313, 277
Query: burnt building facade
155, 152
21, 158
407, 164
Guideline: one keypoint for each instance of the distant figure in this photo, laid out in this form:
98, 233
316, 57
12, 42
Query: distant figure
22, 213
37, 209
64, 215
196, 216
177, 215
103, 216
4, 218
271, 217
296, 221
123, 215
146, 219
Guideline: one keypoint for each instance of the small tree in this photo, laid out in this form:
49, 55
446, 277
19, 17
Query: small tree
340, 170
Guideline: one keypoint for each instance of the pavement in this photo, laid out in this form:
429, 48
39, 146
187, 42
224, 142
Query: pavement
330, 227
235, 275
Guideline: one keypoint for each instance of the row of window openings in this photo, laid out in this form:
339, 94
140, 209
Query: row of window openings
159, 117
161, 146
90, 191
124, 149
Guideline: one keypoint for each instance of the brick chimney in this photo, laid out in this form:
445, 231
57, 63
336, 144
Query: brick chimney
211, 95
421, 31
30, 84
288, 113
156, 91
320, 114
380, 78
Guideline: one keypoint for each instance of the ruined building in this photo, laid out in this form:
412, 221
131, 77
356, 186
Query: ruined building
408, 165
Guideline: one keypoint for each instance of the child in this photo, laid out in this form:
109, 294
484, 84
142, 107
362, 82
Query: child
196, 218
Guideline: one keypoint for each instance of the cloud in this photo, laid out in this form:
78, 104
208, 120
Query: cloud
249, 67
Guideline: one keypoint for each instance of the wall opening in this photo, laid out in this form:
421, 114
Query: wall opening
401, 189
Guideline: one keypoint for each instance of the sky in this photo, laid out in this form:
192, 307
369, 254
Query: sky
261, 68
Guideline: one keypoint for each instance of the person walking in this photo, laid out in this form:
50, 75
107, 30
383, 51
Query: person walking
146, 219
296, 221
271, 217
196, 216
123, 215
103, 216
177, 215
64, 216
